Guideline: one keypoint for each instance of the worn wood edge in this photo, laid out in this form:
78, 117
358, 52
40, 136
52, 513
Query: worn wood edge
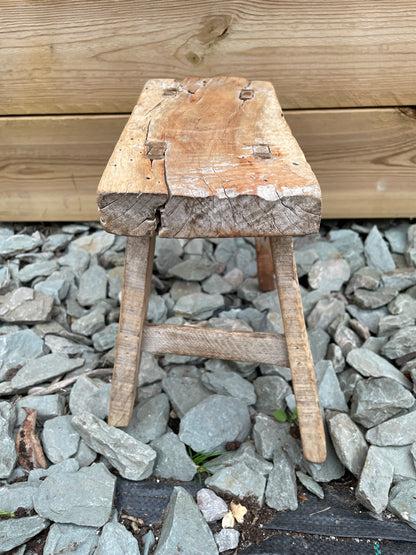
241, 346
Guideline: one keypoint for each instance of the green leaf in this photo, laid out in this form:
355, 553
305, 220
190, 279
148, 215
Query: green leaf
294, 413
280, 415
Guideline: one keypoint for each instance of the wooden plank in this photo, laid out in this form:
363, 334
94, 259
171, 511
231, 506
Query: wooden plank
208, 158
87, 57
300, 357
134, 301
243, 346
265, 273
365, 161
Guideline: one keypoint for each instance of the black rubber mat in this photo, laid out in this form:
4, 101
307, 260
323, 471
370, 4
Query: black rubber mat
337, 524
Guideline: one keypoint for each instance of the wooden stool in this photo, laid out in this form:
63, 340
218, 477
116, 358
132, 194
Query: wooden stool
211, 158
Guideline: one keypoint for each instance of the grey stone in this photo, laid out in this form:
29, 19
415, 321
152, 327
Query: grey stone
318, 342
69, 538
281, 490
401, 343
268, 301
172, 460
402, 501
211, 505
364, 278
17, 495
37, 475
225, 250
43, 369
43, 268
377, 253
90, 323
374, 299
96, 243
231, 324
184, 393
150, 371
5, 280
348, 441
397, 237
133, 459
195, 248
271, 392
148, 542
245, 453
8, 454
180, 288
329, 274
346, 338
59, 439
56, 241
75, 228
198, 306
106, 338
375, 344
62, 345
77, 260
310, 484
92, 286
193, 269
115, 281
213, 422
84, 456
239, 480
84, 497
368, 317
18, 348
25, 306
56, 288
396, 431
244, 259
115, 539
375, 481
388, 325
226, 539
235, 278
410, 250
16, 244
305, 259
168, 253
346, 241
15, 531
331, 468
360, 329
185, 371
324, 312
329, 391
215, 284
377, 400
149, 419
225, 382
404, 305
336, 357
402, 461
249, 289
310, 299
400, 279
369, 364
274, 370
184, 528
157, 310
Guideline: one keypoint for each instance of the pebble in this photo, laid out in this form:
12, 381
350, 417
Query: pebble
225, 382
377, 253
336, 357
271, 392
15, 531
246, 453
184, 393
374, 299
370, 318
324, 312
64, 538
184, 529
37, 475
226, 539
90, 395
402, 460
84, 456
375, 481
37, 269
318, 342
329, 390
150, 371
211, 505
193, 269
91, 322
348, 441
239, 480
115, 539
16, 244
84, 497
43, 369
215, 421
157, 310
400, 343
305, 259
399, 279
133, 459
198, 306
149, 419
281, 490
331, 468
369, 364
115, 281
410, 250
404, 305
402, 501
329, 274
215, 284
92, 286
18, 348
397, 237
106, 338
25, 306
268, 435
388, 325
77, 260
364, 278
95, 243
396, 431
377, 400
59, 439
310, 484
349, 245
56, 288
172, 460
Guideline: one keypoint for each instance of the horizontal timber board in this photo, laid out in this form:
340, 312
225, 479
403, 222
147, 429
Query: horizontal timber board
365, 161
94, 57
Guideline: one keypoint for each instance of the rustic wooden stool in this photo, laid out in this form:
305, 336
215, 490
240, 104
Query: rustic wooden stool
211, 158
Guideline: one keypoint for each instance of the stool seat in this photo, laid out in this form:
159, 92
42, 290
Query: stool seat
208, 158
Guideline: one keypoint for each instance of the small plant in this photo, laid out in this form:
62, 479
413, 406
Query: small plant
201, 458
282, 416
5, 513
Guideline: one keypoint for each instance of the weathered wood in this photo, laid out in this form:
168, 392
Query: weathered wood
365, 161
208, 158
265, 272
243, 346
300, 358
134, 301
72, 57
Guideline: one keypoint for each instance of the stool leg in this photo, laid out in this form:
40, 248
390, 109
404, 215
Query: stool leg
265, 273
135, 297
300, 358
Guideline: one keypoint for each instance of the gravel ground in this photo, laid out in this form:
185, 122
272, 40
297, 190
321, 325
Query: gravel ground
59, 307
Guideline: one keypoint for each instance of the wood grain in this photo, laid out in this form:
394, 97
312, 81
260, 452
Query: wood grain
300, 357
365, 161
138, 268
243, 346
208, 158
87, 57
265, 272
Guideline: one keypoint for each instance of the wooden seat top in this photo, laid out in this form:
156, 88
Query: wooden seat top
208, 158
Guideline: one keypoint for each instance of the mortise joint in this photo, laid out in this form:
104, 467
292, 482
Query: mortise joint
246, 94
262, 151
170, 92
155, 149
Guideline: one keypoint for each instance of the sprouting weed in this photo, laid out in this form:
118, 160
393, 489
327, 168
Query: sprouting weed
282, 416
